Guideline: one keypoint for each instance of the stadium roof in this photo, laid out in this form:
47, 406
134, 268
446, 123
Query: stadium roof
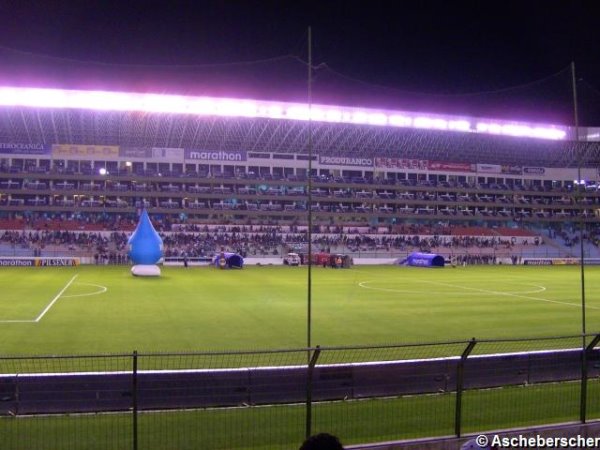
33, 115
228, 107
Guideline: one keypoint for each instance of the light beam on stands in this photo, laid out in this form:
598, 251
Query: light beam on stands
228, 107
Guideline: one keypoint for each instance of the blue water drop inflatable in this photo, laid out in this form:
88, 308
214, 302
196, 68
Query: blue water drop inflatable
145, 245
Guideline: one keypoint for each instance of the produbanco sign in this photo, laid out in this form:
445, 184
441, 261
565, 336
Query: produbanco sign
345, 161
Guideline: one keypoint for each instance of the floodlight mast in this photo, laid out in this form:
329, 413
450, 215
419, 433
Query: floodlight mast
579, 196
308, 430
309, 198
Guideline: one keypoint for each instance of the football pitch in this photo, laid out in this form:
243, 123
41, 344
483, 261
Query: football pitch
93, 309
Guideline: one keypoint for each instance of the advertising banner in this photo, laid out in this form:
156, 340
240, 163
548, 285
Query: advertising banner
489, 168
534, 170
513, 170
345, 161
401, 163
551, 261
38, 262
85, 151
15, 148
417, 259
135, 152
217, 155
167, 153
450, 166
538, 262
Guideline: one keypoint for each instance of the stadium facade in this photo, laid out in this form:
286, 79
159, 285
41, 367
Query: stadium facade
241, 165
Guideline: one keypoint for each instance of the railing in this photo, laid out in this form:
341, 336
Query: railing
530, 251
273, 399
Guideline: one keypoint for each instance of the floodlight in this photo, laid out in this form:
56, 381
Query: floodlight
228, 107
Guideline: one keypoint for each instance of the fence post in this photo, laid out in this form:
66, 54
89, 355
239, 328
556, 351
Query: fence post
584, 376
460, 369
309, 379
134, 397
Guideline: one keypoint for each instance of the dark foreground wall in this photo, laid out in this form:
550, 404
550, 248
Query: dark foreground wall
113, 391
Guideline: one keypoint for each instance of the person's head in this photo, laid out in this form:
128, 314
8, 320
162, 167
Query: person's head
322, 441
473, 444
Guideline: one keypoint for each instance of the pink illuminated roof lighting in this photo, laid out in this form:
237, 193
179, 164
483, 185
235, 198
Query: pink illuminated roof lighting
275, 112
227, 107
400, 121
459, 125
334, 115
377, 119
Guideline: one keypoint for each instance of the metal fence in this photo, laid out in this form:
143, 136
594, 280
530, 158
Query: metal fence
273, 399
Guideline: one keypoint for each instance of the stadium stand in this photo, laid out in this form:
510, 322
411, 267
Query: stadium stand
94, 171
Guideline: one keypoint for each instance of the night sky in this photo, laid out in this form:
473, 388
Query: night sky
505, 59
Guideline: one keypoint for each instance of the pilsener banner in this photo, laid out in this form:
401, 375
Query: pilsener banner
85, 151
16, 148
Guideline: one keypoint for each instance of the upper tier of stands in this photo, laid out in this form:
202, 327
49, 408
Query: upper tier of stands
222, 178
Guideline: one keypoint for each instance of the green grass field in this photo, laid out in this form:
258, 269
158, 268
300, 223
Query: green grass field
281, 427
92, 309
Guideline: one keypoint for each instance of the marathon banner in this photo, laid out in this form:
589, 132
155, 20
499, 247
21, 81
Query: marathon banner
489, 168
512, 170
401, 163
534, 170
15, 148
450, 166
38, 262
218, 155
85, 151
345, 161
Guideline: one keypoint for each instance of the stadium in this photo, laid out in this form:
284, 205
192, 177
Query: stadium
199, 357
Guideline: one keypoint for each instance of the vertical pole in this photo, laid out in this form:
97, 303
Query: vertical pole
310, 218
579, 195
309, 380
134, 397
460, 372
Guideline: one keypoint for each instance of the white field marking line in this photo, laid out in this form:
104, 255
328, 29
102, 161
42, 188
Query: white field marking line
55, 299
284, 368
102, 290
510, 295
363, 284
17, 321
43, 313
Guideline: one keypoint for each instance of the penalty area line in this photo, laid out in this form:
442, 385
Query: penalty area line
55, 299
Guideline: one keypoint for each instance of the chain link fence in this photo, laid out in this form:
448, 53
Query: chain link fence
273, 399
